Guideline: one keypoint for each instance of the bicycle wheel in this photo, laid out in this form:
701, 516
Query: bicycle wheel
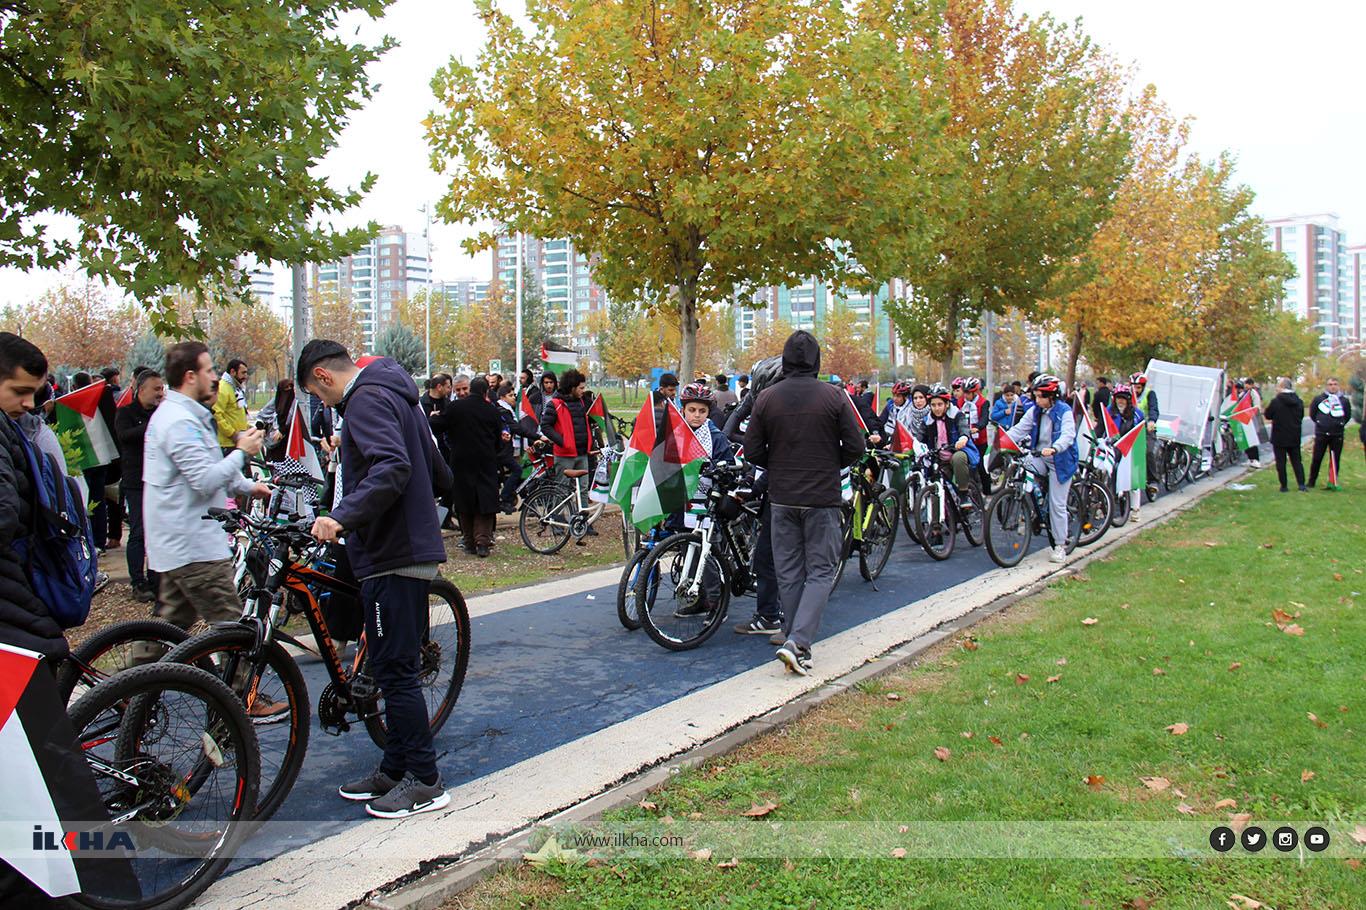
270, 676
1009, 527
445, 659
682, 602
630, 535
974, 520
544, 522
938, 530
879, 536
111, 650
1097, 511
908, 514
846, 543
627, 614
1119, 515
1175, 463
1074, 518
174, 755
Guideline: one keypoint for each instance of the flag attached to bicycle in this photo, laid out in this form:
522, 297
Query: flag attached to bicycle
597, 412
1132, 471
635, 461
671, 472
300, 456
857, 416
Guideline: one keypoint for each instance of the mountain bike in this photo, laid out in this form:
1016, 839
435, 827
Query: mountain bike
1020, 510
627, 613
561, 510
114, 649
939, 507
177, 767
1175, 460
1092, 484
871, 516
684, 585
250, 655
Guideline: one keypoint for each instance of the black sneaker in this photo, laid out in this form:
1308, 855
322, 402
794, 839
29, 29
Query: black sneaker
371, 786
700, 608
759, 625
144, 594
410, 797
795, 659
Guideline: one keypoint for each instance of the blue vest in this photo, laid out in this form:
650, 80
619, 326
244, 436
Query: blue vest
1064, 460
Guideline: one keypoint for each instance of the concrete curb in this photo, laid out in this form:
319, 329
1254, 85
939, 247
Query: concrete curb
428, 889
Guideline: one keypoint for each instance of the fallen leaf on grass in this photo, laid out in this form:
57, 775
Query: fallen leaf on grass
1156, 783
1053, 679
903, 829
1353, 863
1233, 666
855, 795
898, 853
1359, 835
647, 806
551, 850
1342, 709
1185, 809
1124, 606
1210, 543
1315, 718
1297, 605
1293, 629
1238, 821
703, 855
694, 816
728, 864
1061, 661
966, 734
894, 696
666, 819
1337, 576
757, 811
1306, 776
1177, 729
1158, 671
1268, 546
969, 645
1021, 678
996, 741
942, 753
1243, 902
1089, 621
1280, 617
1226, 804
1094, 781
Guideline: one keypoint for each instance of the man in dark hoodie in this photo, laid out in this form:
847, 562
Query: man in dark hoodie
388, 515
803, 431
1286, 413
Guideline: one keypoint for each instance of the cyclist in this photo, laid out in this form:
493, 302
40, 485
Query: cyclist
958, 386
898, 410
1145, 400
978, 409
698, 403
1051, 419
1126, 417
947, 427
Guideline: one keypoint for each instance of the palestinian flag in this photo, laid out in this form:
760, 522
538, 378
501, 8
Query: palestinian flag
79, 414
857, 415
527, 409
902, 440
125, 397
1332, 470
671, 474
1244, 425
1132, 471
66, 844
1086, 432
300, 458
558, 355
635, 461
1111, 428
597, 412
1000, 443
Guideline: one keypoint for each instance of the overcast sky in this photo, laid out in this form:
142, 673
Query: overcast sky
1277, 84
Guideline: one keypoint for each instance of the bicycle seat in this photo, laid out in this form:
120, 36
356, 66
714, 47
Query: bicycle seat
575, 472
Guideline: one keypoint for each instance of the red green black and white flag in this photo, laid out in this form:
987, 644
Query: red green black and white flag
597, 412
78, 414
671, 472
1132, 471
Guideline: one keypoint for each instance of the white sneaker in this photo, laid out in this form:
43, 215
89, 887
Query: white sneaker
1058, 555
1133, 516
1254, 463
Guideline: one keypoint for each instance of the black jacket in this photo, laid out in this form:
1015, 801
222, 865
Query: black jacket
1286, 413
959, 427
130, 429
578, 419
475, 431
803, 431
1326, 424
24, 619
387, 455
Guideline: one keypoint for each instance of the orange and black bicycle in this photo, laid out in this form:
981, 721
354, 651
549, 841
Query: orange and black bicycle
292, 575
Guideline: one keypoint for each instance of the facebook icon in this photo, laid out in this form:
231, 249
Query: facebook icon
1222, 839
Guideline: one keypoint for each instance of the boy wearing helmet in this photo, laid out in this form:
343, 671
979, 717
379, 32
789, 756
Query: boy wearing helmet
698, 401
1049, 429
947, 427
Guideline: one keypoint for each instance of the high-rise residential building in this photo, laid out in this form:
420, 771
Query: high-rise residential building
387, 270
1319, 291
260, 277
1356, 296
805, 305
461, 292
565, 279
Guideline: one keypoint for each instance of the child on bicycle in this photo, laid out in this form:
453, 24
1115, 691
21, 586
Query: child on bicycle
1126, 417
1051, 420
698, 401
947, 432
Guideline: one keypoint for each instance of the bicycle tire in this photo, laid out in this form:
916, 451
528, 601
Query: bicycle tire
1119, 516
627, 614
879, 537
1009, 511
1074, 509
231, 644
1175, 465
846, 543
85, 656
661, 573
547, 504
449, 690
1098, 511
974, 524
939, 536
908, 514
120, 693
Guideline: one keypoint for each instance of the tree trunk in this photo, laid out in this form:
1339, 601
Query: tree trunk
1072, 356
950, 342
688, 324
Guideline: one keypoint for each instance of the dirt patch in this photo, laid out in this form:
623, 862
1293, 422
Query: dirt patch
114, 604
513, 886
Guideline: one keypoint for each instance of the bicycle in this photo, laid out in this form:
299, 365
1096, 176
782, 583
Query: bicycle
177, 766
1019, 511
627, 613
560, 510
1092, 481
939, 511
871, 517
684, 587
112, 650
250, 655
1175, 460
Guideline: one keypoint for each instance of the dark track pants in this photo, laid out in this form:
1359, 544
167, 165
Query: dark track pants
395, 619
1293, 453
1323, 445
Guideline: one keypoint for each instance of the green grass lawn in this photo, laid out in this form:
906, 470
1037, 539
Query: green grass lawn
1184, 634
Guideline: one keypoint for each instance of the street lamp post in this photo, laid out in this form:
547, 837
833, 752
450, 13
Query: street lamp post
427, 333
520, 242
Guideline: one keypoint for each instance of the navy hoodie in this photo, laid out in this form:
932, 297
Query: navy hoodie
388, 510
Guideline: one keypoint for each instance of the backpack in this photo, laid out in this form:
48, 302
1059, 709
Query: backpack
58, 554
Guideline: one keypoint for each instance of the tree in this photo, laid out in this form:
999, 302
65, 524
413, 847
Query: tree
629, 342
334, 317
846, 350
250, 330
148, 352
180, 136
693, 148
1031, 165
475, 335
411, 313
76, 325
399, 342
768, 339
1285, 345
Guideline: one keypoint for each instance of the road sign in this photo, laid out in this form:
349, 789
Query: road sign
495, 366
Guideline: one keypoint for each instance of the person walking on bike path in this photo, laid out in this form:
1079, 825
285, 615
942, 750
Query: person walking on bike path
1331, 411
1051, 420
804, 431
388, 514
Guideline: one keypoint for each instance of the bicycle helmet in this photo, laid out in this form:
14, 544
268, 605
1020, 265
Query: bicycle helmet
1048, 384
696, 391
764, 374
938, 391
1122, 391
957, 382
1138, 379
972, 384
902, 388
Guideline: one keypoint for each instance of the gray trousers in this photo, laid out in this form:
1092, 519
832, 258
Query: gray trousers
1057, 500
806, 552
